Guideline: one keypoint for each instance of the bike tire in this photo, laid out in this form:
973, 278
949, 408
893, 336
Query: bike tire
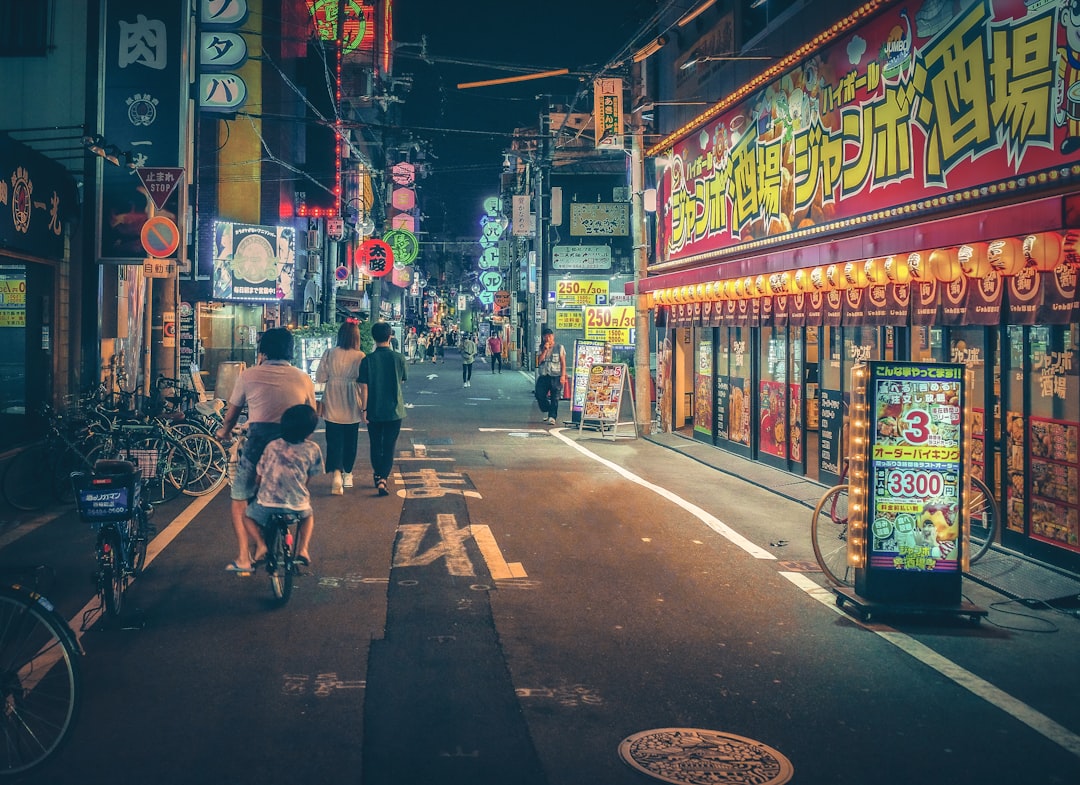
111, 579
279, 566
27, 481
828, 535
40, 680
138, 536
983, 523
210, 464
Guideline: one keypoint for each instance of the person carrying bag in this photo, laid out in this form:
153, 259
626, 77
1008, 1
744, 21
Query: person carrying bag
551, 375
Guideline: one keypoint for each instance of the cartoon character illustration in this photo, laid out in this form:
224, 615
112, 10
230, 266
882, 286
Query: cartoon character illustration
1067, 83
926, 537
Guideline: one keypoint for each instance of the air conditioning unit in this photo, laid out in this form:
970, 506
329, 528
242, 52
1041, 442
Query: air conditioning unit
313, 239
313, 263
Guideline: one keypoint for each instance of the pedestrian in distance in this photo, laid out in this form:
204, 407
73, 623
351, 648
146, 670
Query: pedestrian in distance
283, 472
381, 375
494, 346
551, 374
468, 356
429, 349
410, 345
421, 347
440, 348
267, 389
342, 405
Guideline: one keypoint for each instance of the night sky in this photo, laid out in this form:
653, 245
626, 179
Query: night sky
468, 129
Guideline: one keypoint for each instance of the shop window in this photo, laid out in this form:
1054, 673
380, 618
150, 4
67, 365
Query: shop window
24, 28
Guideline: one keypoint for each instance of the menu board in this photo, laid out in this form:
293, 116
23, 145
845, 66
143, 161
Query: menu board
1054, 494
723, 389
915, 466
586, 355
831, 426
603, 396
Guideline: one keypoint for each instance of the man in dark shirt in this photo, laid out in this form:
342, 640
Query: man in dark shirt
381, 374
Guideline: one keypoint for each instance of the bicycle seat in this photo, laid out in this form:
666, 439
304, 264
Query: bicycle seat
113, 468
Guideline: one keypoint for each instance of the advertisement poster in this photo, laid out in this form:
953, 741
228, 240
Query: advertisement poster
1054, 482
586, 355
739, 411
772, 418
254, 263
603, 396
723, 394
703, 402
915, 466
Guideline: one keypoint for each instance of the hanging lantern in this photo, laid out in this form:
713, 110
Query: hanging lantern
1071, 248
749, 287
1044, 251
897, 270
718, 290
945, 265
733, 289
818, 280
834, 274
973, 260
1006, 256
761, 284
919, 265
801, 281
740, 288
780, 283
855, 274
875, 271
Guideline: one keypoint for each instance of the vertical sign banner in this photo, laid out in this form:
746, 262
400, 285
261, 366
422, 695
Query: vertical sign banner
522, 223
144, 88
608, 113
916, 466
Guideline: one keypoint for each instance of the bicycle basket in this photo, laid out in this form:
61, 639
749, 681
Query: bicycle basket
103, 498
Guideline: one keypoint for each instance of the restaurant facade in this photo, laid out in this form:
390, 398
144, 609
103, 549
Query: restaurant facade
903, 187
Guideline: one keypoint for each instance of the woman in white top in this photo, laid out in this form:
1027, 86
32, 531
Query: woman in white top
342, 404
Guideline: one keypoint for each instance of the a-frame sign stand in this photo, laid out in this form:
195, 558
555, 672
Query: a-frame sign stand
605, 400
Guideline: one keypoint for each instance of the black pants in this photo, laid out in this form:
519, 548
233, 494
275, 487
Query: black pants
496, 358
551, 389
341, 441
383, 436
466, 372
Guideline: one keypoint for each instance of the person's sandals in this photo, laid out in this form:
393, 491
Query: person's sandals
234, 567
381, 485
303, 561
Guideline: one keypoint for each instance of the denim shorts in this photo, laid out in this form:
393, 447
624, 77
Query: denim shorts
261, 515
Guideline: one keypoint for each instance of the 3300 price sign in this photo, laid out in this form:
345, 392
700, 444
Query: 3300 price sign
914, 483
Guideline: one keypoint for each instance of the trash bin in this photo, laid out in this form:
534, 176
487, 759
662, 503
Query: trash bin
226, 378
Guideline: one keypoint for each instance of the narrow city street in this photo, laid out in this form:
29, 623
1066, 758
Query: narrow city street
537, 604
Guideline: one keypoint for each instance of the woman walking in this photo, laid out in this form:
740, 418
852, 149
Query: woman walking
342, 404
468, 356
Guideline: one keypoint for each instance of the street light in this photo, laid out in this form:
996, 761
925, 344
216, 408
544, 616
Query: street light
700, 58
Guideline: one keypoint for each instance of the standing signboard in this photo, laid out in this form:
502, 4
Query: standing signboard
586, 355
604, 399
914, 419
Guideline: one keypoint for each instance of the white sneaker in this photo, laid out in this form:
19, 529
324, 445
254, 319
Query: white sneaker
346, 479
335, 485
551, 421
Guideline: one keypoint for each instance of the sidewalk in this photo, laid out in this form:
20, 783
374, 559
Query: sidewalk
1008, 572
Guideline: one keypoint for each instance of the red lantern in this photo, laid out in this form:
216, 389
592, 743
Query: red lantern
973, 260
1006, 256
1044, 251
376, 257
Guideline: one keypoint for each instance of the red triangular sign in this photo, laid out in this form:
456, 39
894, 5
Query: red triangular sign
160, 181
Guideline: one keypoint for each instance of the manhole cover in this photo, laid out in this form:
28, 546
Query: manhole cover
704, 757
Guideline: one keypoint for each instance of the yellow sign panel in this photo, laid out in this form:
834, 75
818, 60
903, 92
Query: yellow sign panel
576, 292
611, 323
569, 320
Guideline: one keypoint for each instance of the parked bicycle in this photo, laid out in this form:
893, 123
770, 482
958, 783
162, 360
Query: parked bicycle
829, 529
40, 680
111, 499
41, 473
165, 463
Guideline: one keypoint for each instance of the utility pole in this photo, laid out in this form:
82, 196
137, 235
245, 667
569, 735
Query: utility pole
642, 374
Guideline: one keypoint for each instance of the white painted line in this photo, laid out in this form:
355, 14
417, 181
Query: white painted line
708, 519
512, 430
1016, 709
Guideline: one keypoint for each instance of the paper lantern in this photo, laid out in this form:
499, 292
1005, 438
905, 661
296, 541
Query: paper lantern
761, 284
945, 265
1044, 251
919, 265
973, 260
818, 280
1006, 256
897, 270
699, 293
834, 274
718, 290
733, 289
1071, 248
801, 281
875, 271
749, 289
855, 274
740, 288
780, 283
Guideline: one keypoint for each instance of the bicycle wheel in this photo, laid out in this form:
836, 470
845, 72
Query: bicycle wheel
984, 519
111, 580
280, 566
828, 534
138, 535
40, 681
209, 464
28, 480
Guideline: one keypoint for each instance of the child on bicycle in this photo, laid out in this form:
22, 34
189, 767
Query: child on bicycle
283, 471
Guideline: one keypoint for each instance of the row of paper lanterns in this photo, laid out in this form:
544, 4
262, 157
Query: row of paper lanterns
1043, 251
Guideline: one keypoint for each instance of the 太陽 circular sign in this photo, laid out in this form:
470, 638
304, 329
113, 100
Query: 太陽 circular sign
160, 237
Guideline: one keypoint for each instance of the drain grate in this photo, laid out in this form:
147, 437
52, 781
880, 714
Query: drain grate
700, 757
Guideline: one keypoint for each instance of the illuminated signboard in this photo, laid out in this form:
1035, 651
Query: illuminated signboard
253, 263
357, 32
916, 468
898, 117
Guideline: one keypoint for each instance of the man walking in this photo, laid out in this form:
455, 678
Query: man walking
380, 377
494, 347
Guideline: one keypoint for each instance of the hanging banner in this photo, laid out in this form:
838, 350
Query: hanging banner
608, 113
